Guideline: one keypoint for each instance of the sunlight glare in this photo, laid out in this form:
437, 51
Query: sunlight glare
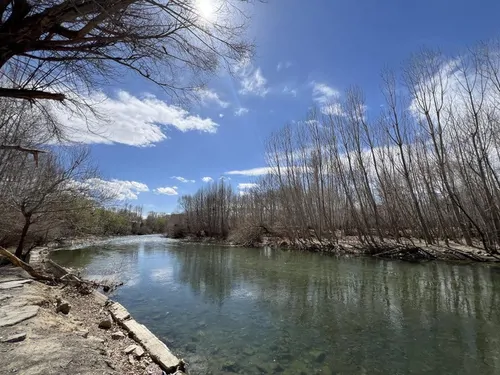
206, 9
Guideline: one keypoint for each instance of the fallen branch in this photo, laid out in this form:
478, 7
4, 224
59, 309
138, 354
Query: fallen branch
25, 266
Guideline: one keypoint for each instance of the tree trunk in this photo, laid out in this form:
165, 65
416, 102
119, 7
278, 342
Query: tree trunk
20, 246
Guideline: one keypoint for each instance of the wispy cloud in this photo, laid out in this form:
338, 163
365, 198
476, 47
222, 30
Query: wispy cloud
289, 91
283, 65
166, 190
327, 98
182, 179
252, 81
207, 179
118, 189
251, 172
241, 111
208, 97
126, 119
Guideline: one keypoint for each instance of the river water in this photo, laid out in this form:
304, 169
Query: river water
263, 311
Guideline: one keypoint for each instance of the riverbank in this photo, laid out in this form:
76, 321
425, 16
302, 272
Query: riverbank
412, 251
58, 328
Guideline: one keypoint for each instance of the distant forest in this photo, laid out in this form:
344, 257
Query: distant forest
425, 166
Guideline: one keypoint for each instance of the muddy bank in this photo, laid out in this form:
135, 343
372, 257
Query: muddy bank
54, 329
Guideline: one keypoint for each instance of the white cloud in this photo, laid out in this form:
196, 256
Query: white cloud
207, 97
126, 119
241, 111
252, 80
118, 189
207, 179
182, 179
221, 115
283, 65
327, 98
251, 172
290, 91
167, 190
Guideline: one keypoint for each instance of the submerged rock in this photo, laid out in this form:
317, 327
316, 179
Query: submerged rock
230, 366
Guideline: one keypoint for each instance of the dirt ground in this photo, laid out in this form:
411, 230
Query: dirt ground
56, 343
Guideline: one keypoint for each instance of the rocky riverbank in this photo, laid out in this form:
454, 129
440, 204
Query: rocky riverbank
412, 251
54, 329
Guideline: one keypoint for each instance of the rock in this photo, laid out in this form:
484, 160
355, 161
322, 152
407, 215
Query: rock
248, 351
63, 307
5, 297
276, 367
118, 335
131, 359
139, 352
106, 323
84, 333
191, 347
110, 364
230, 366
15, 338
96, 339
318, 356
10, 316
14, 284
129, 349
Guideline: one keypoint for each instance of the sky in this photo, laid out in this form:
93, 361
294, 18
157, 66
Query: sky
307, 53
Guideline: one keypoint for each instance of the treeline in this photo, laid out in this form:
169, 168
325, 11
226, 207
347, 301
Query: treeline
425, 168
47, 194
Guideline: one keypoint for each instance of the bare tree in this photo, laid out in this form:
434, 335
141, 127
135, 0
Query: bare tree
48, 47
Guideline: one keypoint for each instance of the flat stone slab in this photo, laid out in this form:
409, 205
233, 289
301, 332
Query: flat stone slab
5, 297
157, 350
15, 338
11, 315
100, 298
118, 312
14, 284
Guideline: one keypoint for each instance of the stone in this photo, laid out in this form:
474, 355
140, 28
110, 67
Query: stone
118, 312
106, 323
10, 316
157, 350
83, 332
5, 297
63, 307
15, 338
318, 356
248, 351
129, 349
276, 367
118, 335
230, 366
96, 339
139, 352
110, 364
131, 359
14, 284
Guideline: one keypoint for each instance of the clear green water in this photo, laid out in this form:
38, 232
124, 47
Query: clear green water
263, 311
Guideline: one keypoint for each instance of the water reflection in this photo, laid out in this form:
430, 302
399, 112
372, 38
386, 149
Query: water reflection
273, 311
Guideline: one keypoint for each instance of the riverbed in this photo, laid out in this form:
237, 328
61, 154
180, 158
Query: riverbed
264, 311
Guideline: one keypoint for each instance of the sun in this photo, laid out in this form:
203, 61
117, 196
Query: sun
206, 9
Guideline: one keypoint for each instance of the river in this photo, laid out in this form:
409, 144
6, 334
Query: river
263, 311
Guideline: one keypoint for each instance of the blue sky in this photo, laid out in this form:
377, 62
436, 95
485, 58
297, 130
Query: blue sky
306, 52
